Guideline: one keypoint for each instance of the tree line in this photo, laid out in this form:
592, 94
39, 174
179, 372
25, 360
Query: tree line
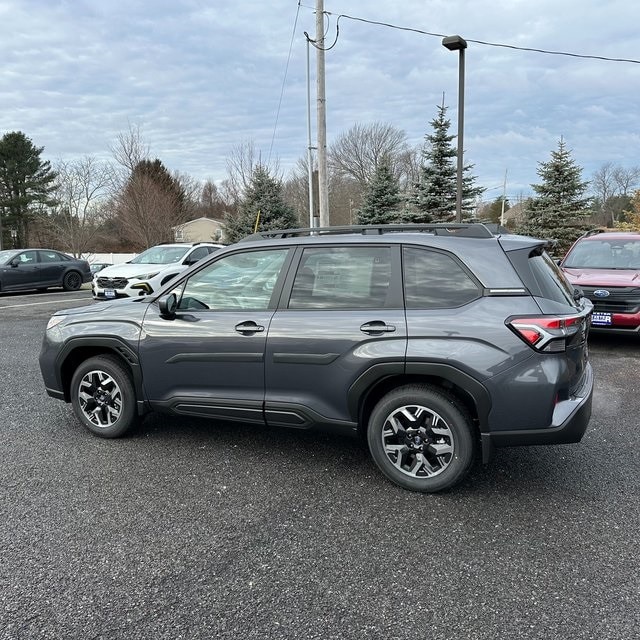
133, 201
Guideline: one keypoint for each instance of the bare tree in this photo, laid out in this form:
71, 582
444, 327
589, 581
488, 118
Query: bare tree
359, 151
130, 149
150, 205
612, 186
626, 180
83, 188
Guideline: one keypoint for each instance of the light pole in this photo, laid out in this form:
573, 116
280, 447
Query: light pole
457, 43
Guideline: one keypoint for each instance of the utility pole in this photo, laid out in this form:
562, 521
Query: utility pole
323, 187
504, 196
312, 220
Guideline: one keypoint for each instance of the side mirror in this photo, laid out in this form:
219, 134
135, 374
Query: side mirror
168, 305
15, 262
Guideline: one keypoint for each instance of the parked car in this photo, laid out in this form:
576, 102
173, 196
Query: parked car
99, 266
25, 269
149, 270
431, 341
606, 266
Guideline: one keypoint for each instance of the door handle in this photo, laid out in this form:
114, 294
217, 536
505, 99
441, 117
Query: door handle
246, 328
377, 326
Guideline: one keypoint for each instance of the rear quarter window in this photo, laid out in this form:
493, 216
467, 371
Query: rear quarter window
551, 282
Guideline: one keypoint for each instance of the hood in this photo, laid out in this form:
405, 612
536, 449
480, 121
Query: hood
112, 307
603, 277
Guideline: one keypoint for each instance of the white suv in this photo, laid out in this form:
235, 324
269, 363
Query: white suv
149, 270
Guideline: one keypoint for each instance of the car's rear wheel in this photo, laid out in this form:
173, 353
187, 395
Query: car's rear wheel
103, 397
72, 281
421, 438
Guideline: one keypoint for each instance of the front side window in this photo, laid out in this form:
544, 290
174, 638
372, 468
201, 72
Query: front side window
238, 281
342, 278
435, 280
27, 258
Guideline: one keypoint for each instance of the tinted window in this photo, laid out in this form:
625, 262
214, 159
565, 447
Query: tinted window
551, 281
198, 254
50, 256
239, 281
434, 280
342, 278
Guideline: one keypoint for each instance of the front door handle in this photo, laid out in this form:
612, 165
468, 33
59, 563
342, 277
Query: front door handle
247, 328
377, 326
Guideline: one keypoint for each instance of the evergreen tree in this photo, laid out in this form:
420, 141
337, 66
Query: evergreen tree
26, 183
262, 203
560, 209
434, 197
382, 200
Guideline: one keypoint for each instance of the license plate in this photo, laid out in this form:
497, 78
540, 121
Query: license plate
109, 293
601, 319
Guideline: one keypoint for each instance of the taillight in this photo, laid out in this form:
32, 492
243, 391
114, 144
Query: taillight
546, 333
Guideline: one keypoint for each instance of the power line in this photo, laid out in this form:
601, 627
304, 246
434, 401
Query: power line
481, 42
284, 80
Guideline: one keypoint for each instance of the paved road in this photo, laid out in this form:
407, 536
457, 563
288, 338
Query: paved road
188, 529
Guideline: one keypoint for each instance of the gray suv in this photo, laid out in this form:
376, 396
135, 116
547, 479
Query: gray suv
433, 342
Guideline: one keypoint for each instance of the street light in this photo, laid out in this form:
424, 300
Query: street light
457, 43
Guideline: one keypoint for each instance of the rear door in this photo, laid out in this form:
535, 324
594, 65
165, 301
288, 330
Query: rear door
52, 266
340, 319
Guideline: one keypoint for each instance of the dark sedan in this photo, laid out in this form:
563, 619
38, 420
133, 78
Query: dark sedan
24, 269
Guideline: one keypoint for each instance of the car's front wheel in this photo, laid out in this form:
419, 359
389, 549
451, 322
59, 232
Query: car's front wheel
421, 438
72, 281
103, 397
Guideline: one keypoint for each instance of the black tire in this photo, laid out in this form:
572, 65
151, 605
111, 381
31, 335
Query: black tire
72, 281
421, 438
103, 397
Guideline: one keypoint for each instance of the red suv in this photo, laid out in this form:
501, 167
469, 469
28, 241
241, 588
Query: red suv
606, 266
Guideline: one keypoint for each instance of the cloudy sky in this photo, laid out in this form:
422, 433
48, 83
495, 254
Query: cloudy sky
198, 77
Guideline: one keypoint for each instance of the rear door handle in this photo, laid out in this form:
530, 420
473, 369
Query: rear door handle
377, 326
246, 328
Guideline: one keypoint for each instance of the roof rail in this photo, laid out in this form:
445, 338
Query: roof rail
470, 230
594, 232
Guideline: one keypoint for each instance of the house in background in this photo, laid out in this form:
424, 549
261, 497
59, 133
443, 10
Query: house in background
200, 230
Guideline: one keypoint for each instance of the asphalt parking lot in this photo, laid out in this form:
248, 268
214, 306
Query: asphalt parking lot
192, 529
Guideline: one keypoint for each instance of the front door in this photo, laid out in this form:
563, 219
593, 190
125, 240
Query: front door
23, 272
209, 359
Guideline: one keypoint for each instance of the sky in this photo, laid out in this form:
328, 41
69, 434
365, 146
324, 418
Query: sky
200, 77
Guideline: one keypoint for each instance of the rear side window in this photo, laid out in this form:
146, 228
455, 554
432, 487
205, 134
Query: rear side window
551, 282
342, 278
435, 280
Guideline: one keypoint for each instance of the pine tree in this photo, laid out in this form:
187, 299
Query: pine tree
434, 198
262, 203
382, 201
560, 209
26, 182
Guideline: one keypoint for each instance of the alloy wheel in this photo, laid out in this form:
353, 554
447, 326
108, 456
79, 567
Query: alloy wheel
418, 441
100, 398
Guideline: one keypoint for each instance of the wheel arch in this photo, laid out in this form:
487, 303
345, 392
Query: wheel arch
77, 351
381, 379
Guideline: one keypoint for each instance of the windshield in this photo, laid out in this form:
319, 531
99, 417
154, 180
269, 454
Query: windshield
160, 255
616, 253
6, 255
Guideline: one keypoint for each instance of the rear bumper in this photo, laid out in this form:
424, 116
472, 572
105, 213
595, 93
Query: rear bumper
570, 421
